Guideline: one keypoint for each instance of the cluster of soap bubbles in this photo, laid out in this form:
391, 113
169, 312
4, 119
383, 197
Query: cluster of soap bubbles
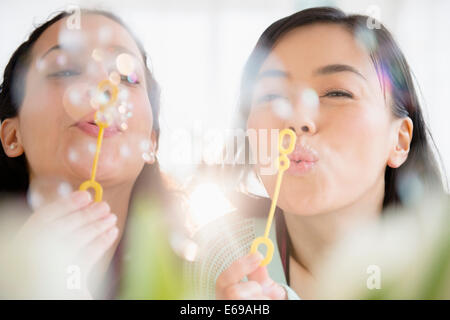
107, 99
85, 95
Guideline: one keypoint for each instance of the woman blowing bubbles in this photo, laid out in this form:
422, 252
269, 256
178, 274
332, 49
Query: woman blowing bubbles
48, 101
347, 93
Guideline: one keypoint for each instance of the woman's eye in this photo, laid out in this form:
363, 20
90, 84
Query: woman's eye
338, 94
131, 79
64, 73
270, 97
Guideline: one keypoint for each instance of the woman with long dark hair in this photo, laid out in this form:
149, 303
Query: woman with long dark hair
347, 92
48, 133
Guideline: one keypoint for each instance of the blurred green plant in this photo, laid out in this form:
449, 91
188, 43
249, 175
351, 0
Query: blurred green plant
152, 270
411, 248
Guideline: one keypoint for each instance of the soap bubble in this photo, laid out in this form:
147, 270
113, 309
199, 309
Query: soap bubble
114, 77
61, 60
76, 101
125, 64
104, 34
132, 78
122, 109
146, 149
92, 68
123, 95
98, 55
41, 65
117, 116
71, 40
35, 199
125, 151
138, 145
282, 108
73, 155
44, 190
309, 98
144, 145
64, 189
92, 147
366, 38
146, 156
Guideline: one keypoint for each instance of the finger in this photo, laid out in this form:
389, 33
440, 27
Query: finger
83, 236
83, 217
98, 247
260, 275
242, 291
238, 270
275, 292
270, 288
75, 201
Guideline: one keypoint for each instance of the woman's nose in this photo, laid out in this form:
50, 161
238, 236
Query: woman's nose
303, 118
101, 73
302, 127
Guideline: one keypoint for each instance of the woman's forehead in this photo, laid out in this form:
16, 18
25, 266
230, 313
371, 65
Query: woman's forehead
306, 49
95, 31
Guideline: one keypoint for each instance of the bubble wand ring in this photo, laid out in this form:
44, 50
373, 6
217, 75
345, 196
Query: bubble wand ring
283, 163
91, 183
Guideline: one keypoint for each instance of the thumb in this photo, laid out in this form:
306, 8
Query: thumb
270, 288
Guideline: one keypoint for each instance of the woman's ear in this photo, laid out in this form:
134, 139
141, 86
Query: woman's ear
150, 156
154, 140
403, 137
10, 137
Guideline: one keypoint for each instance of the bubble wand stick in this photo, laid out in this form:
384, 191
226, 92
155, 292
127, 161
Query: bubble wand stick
283, 163
91, 183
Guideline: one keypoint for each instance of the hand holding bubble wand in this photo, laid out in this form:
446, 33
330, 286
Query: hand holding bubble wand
112, 90
283, 163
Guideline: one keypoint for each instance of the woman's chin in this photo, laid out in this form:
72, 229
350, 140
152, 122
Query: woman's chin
109, 168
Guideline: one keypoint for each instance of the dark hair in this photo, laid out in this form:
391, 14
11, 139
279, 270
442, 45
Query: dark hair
390, 64
14, 175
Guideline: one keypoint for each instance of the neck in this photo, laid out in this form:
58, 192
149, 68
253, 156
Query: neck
312, 236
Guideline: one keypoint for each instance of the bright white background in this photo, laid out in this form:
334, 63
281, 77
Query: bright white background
198, 48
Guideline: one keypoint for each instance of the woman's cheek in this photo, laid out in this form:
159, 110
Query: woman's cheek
141, 115
357, 146
40, 143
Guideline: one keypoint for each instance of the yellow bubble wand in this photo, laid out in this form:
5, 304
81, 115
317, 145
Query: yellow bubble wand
91, 183
283, 163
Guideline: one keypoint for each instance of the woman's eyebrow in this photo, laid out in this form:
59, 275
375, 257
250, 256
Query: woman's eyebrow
55, 47
273, 73
335, 68
119, 48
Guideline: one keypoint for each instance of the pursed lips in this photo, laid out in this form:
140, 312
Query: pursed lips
88, 126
